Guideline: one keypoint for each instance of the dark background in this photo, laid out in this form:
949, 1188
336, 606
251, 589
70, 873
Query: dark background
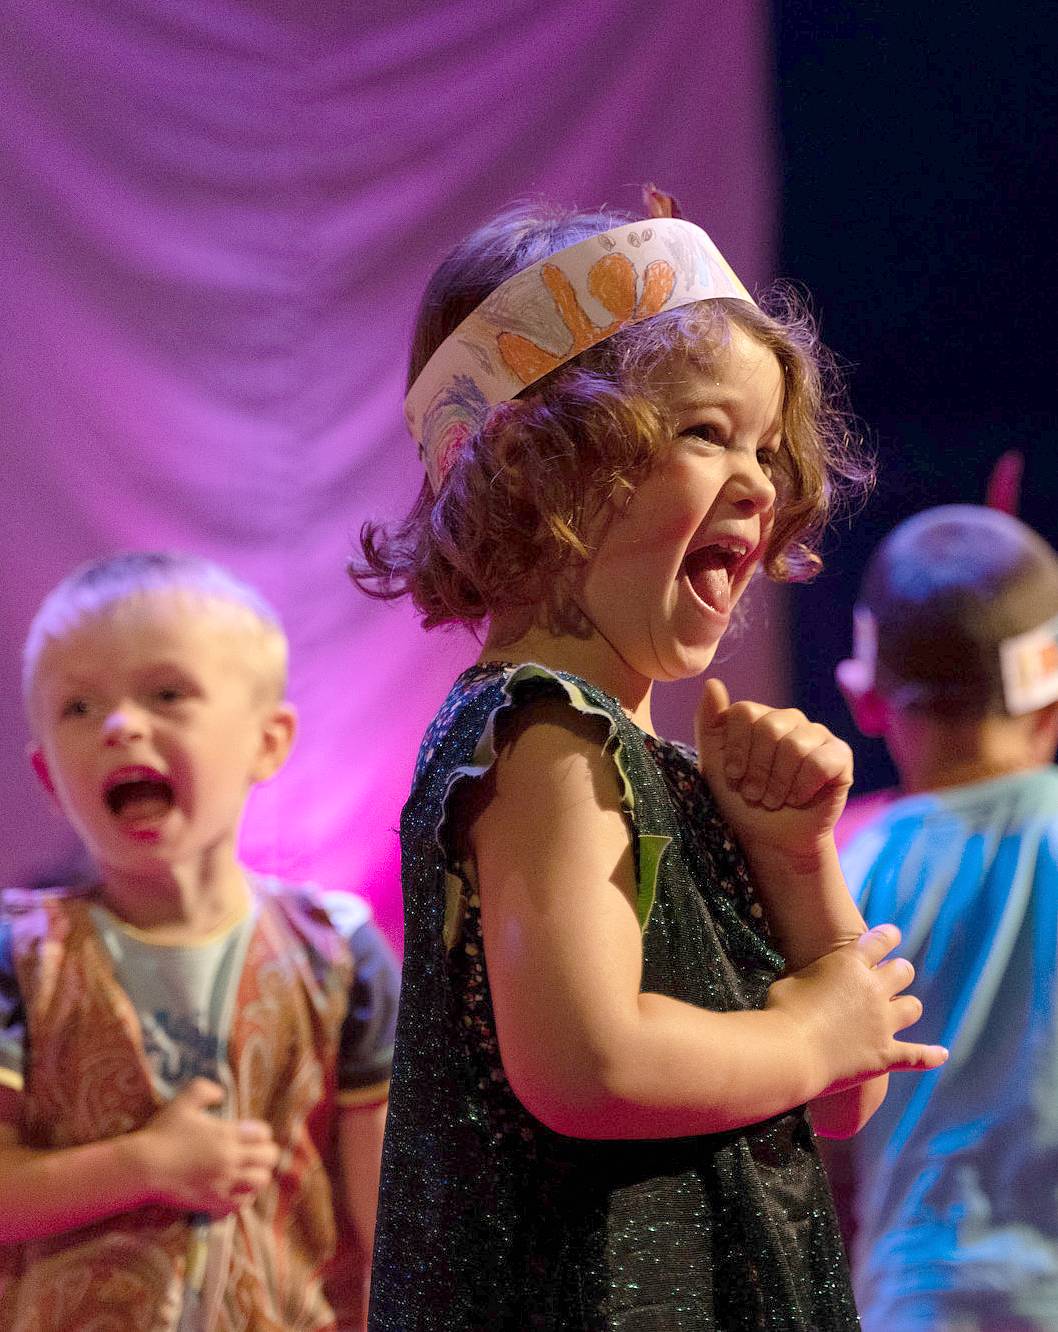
919, 152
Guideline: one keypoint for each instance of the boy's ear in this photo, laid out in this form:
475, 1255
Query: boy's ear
1045, 732
868, 707
39, 764
277, 739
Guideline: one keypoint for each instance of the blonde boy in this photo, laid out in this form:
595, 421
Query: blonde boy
956, 668
177, 1042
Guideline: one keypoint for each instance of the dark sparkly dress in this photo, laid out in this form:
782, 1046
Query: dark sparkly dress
490, 1222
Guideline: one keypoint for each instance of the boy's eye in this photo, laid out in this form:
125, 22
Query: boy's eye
170, 694
75, 707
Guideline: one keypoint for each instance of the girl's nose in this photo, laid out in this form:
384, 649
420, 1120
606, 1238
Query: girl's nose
754, 490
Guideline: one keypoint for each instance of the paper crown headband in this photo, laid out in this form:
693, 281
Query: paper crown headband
552, 311
1028, 663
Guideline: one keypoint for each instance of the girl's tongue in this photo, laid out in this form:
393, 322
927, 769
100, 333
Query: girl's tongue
709, 573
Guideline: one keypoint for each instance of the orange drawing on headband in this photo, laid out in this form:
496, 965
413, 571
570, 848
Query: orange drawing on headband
612, 282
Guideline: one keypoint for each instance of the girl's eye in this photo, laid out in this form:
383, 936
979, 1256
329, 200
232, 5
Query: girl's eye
75, 707
169, 694
709, 434
766, 459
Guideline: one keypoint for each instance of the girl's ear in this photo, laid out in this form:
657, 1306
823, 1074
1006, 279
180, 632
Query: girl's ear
39, 764
868, 707
277, 738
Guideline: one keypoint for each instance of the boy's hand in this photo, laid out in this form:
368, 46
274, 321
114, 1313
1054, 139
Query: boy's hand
780, 780
195, 1162
849, 1005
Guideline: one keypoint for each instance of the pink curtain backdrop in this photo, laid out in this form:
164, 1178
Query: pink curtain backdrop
216, 221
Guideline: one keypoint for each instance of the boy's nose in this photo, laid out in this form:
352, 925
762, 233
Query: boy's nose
121, 726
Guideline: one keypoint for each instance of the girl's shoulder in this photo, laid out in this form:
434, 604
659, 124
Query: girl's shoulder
488, 694
492, 702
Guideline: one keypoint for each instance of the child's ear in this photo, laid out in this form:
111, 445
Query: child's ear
39, 764
277, 739
867, 706
1045, 733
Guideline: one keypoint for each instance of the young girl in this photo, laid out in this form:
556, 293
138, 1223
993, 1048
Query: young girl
625, 976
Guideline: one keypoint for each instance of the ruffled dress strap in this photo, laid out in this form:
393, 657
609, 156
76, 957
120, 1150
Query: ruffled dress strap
515, 688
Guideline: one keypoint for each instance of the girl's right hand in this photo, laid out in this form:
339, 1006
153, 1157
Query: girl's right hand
780, 780
849, 1005
195, 1162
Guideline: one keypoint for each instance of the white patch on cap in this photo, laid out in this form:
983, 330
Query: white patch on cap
1029, 666
865, 638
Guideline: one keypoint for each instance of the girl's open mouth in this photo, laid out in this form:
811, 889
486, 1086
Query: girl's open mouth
713, 570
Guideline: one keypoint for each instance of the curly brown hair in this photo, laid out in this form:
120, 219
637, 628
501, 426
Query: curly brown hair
515, 509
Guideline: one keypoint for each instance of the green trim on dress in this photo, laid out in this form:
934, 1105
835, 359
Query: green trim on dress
649, 847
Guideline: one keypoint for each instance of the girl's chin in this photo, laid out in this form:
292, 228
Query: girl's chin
685, 659
697, 626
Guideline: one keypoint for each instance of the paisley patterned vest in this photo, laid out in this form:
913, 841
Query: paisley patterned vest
87, 1078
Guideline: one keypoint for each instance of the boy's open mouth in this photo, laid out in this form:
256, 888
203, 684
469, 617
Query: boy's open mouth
134, 794
712, 571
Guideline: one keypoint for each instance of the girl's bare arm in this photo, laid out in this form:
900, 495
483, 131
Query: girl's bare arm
584, 1050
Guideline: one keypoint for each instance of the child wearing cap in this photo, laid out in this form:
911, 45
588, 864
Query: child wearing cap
179, 1040
956, 668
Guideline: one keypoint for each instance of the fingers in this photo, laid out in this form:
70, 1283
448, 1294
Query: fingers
896, 973
264, 1157
229, 1198
201, 1094
750, 761
739, 721
254, 1130
910, 1058
783, 750
875, 944
791, 760
251, 1180
905, 1012
771, 756
711, 708
715, 700
245, 1179
828, 764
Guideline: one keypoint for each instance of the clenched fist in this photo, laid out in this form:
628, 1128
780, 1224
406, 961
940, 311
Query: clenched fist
195, 1162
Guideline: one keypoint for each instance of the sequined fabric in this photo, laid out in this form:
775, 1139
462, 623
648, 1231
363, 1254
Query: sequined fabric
487, 1219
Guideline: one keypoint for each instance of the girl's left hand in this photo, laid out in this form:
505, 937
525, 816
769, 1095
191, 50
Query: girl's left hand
780, 780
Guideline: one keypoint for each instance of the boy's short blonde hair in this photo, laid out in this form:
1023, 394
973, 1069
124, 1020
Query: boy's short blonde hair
516, 507
944, 589
100, 587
